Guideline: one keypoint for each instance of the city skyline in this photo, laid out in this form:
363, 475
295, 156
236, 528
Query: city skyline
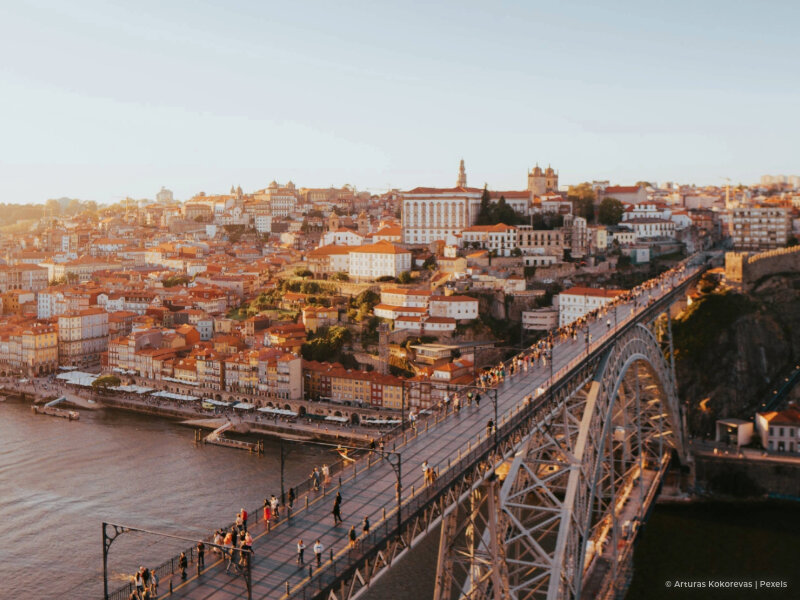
101, 101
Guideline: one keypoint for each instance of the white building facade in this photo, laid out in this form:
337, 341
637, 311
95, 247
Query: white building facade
576, 302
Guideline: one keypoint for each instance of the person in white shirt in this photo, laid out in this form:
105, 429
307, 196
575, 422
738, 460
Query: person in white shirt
318, 548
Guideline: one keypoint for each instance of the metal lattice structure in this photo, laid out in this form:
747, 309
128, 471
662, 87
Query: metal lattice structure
601, 442
521, 520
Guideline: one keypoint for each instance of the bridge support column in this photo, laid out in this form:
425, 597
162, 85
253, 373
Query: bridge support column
471, 553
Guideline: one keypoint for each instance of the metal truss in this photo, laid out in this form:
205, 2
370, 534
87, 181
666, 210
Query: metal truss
517, 520
471, 552
580, 463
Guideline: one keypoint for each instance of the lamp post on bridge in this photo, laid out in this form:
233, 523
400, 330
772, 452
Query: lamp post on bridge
396, 463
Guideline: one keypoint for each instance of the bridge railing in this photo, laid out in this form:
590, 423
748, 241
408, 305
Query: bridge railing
346, 560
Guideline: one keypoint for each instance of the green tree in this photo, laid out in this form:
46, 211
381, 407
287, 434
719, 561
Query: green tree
583, 199
485, 211
404, 277
105, 382
610, 211
303, 272
340, 276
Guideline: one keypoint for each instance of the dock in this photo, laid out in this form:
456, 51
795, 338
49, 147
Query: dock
216, 438
52, 410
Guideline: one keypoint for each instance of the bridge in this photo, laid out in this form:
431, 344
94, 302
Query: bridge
545, 504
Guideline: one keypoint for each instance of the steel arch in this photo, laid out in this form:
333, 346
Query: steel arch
563, 468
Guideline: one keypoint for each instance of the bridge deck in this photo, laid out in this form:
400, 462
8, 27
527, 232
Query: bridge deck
373, 489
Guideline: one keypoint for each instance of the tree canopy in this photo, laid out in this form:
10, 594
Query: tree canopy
610, 211
492, 213
327, 346
583, 198
106, 381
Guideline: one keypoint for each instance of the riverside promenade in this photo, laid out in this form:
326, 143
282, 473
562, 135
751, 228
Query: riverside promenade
299, 428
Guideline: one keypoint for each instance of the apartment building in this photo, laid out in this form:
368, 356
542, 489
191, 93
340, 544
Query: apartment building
454, 307
31, 349
760, 227
332, 382
280, 374
548, 242
22, 277
501, 239
82, 337
382, 259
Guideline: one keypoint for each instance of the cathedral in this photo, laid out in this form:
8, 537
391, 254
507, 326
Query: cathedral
542, 182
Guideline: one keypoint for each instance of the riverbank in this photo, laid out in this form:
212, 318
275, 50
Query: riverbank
298, 429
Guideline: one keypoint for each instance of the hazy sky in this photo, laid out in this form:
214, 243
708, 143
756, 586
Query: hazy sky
104, 99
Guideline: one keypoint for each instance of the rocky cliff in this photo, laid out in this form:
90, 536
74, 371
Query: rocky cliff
731, 347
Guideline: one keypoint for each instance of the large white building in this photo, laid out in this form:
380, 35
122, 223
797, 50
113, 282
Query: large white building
576, 302
382, 259
645, 227
454, 307
431, 214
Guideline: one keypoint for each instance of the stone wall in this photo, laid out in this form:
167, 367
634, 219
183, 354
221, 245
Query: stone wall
744, 269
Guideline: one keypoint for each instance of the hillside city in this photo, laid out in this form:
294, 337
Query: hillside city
339, 297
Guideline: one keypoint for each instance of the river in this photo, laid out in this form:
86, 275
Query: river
59, 480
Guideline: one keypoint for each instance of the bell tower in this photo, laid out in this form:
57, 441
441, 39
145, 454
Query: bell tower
462, 175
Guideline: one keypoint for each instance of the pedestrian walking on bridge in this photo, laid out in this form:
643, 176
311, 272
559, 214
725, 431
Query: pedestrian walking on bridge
201, 555
352, 536
337, 510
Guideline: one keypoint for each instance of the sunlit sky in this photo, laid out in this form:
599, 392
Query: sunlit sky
99, 100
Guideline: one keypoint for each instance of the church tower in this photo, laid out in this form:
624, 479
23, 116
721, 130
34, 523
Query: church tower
462, 175
363, 223
551, 179
333, 221
536, 181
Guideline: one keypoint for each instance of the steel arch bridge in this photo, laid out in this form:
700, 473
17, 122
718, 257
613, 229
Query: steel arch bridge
552, 521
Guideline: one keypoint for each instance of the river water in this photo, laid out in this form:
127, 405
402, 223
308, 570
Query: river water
59, 480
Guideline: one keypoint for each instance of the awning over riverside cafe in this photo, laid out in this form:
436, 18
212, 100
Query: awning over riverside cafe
171, 396
132, 389
369, 421
218, 402
278, 411
78, 378
337, 419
